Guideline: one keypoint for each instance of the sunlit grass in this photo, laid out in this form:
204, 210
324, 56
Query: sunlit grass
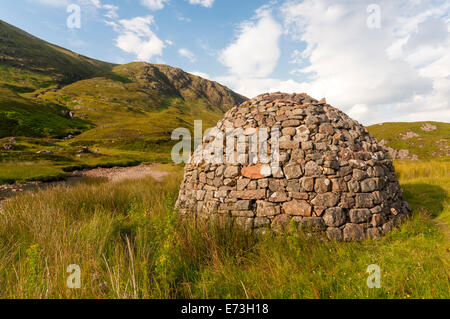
130, 244
26, 172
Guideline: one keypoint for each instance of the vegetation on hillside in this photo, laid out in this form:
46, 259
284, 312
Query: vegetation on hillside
27, 53
55, 102
23, 117
129, 243
427, 140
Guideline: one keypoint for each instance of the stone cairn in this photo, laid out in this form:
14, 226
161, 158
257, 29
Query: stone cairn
333, 176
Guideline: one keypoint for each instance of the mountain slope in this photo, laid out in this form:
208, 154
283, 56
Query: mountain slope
41, 84
27, 65
23, 117
56, 103
141, 104
167, 80
416, 140
24, 52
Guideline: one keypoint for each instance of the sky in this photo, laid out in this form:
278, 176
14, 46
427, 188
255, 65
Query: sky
377, 60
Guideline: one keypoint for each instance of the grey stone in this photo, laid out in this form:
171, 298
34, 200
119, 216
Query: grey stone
334, 217
326, 200
312, 169
231, 171
280, 223
359, 215
322, 185
369, 185
353, 232
312, 224
293, 171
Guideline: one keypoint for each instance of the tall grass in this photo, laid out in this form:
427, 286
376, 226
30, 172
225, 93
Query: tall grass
130, 243
410, 170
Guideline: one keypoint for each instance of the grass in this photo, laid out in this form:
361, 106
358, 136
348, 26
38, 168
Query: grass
30, 172
23, 117
43, 62
426, 145
16, 164
130, 244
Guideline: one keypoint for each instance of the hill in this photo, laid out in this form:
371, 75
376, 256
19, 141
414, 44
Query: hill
35, 63
138, 108
55, 103
416, 140
28, 64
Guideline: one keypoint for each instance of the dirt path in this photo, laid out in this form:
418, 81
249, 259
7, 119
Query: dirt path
121, 173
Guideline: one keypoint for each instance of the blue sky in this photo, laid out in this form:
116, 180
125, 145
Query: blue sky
204, 31
383, 61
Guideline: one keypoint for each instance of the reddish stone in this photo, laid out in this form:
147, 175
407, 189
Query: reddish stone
322, 101
257, 171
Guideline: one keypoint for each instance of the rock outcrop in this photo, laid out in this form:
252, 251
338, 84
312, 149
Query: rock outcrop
332, 176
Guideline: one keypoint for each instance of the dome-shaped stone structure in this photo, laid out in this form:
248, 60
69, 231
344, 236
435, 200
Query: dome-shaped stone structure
333, 176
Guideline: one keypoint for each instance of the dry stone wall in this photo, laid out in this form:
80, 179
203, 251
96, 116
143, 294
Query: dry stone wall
333, 177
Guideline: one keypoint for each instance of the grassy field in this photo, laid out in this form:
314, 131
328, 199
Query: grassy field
27, 172
129, 243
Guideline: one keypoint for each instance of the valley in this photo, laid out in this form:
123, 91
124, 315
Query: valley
60, 111
86, 178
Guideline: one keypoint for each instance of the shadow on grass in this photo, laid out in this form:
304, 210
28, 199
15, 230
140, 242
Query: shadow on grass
425, 197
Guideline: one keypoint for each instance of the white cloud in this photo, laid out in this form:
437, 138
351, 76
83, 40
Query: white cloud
63, 3
90, 6
154, 4
96, 3
200, 74
111, 11
204, 3
135, 36
255, 52
187, 54
180, 17
397, 72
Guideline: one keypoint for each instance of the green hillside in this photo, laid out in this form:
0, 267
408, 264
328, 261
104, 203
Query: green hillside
54, 102
30, 66
139, 107
42, 63
427, 140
